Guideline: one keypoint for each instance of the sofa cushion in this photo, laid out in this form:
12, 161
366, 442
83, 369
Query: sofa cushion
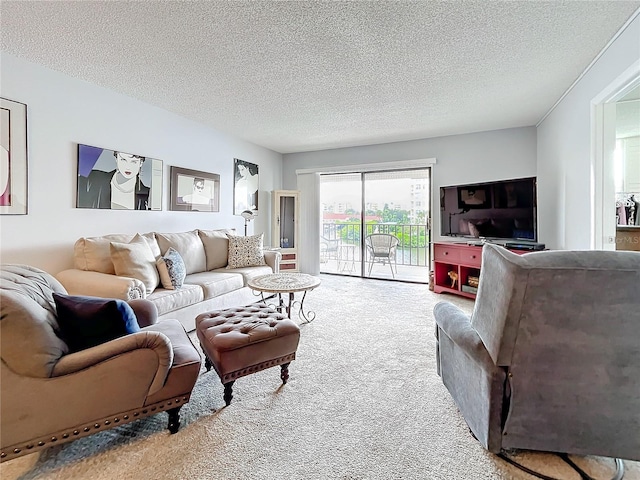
245, 251
171, 300
250, 272
216, 283
135, 260
89, 321
216, 247
188, 245
94, 253
171, 269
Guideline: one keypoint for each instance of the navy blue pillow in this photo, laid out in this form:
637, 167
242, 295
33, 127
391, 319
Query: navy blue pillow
89, 321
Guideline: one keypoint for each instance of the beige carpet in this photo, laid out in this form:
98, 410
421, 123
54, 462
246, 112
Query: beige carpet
363, 402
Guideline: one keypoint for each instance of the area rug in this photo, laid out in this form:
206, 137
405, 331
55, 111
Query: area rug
363, 402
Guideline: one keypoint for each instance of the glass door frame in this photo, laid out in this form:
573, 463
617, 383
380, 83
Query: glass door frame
426, 226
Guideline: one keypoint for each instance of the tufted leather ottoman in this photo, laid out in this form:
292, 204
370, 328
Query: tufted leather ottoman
244, 340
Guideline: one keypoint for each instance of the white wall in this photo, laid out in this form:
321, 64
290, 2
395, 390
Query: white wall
565, 153
475, 157
63, 112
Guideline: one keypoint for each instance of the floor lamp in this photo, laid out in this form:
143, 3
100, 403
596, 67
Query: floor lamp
248, 215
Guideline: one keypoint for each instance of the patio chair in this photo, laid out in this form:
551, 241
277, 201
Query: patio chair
381, 248
328, 248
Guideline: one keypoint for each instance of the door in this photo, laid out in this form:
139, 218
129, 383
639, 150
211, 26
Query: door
376, 224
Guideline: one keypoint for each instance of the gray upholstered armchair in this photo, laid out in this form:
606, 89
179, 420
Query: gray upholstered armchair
550, 358
51, 394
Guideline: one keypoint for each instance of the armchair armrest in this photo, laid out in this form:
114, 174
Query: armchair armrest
273, 258
97, 284
476, 384
146, 312
456, 325
156, 341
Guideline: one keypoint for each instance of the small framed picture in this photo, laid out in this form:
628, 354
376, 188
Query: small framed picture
474, 197
194, 191
245, 187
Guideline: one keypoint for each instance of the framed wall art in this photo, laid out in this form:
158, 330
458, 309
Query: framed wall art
194, 191
13, 157
245, 187
117, 180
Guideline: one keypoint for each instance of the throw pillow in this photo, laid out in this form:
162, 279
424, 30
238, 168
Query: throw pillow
190, 247
171, 269
245, 251
89, 321
135, 260
216, 247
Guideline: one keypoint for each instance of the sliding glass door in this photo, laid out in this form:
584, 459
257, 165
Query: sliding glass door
375, 224
340, 242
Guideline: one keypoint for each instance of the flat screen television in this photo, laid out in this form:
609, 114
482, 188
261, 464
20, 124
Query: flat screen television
504, 209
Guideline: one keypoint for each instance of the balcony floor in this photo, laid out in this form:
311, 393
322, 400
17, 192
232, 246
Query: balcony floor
405, 273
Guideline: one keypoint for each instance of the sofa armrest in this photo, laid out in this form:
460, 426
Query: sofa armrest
96, 284
273, 258
156, 341
456, 325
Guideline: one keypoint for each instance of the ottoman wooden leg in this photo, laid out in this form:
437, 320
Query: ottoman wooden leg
284, 372
207, 363
228, 389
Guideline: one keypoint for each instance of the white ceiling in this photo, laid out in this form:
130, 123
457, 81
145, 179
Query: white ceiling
311, 75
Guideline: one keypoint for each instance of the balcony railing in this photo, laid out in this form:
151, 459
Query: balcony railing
413, 246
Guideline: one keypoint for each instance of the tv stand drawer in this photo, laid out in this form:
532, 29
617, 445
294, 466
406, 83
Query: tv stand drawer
471, 256
446, 253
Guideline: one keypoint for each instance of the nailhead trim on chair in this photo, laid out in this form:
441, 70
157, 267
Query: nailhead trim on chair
14, 451
257, 367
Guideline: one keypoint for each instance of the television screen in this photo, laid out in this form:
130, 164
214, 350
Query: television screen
504, 209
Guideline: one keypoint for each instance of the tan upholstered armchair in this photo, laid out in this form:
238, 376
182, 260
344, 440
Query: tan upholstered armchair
550, 358
50, 396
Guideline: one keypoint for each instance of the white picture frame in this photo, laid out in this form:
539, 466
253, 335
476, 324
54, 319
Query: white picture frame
13, 158
245, 187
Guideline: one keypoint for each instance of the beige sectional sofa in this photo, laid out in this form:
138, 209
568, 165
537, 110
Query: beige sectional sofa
208, 285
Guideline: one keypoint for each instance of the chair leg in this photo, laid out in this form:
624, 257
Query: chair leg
228, 392
174, 419
284, 372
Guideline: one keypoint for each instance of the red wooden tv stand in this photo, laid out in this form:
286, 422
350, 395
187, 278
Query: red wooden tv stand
463, 259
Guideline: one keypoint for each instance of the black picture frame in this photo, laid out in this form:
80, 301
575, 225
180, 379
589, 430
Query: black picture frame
194, 190
472, 197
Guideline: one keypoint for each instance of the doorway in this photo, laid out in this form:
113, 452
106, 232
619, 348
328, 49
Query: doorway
626, 168
617, 164
376, 224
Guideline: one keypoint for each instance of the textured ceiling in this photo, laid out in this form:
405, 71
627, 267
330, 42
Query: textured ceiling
311, 75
